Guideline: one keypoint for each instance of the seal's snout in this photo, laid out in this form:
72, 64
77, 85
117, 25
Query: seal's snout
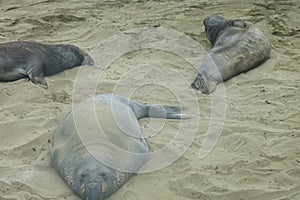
93, 190
94, 184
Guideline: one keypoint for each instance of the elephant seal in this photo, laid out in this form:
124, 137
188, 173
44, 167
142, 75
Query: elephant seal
237, 46
118, 146
34, 60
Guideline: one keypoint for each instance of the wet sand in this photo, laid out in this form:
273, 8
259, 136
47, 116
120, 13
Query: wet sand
257, 155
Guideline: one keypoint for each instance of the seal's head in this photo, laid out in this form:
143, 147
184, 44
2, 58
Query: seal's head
94, 181
73, 55
214, 24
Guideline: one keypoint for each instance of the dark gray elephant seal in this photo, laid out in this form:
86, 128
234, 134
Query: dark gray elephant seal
237, 47
33, 60
117, 117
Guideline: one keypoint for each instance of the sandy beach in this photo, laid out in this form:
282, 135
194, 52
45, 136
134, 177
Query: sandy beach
257, 155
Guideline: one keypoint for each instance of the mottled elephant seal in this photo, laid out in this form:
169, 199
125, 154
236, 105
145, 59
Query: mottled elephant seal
33, 60
237, 46
116, 139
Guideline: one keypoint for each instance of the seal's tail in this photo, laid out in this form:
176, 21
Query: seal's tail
142, 110
166, 112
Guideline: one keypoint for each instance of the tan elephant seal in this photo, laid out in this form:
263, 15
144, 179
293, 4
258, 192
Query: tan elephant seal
237, 46
119, 148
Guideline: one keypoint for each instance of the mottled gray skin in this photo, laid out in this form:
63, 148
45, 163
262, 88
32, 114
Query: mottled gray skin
91, 178
237, 47
33, 60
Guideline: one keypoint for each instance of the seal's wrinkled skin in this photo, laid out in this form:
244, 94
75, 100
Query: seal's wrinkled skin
33, 60
97, 160
237, 46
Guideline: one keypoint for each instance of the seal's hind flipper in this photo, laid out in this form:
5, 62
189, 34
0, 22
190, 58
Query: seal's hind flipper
166, 112
36, 76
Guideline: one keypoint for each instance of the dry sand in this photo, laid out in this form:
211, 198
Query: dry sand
257, 155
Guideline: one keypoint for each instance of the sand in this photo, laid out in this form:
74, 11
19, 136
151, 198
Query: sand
257, 155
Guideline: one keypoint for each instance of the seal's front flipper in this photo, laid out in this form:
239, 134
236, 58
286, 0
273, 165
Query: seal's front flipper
36, 76
204, 84
238, 23
39, 81
88, 60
